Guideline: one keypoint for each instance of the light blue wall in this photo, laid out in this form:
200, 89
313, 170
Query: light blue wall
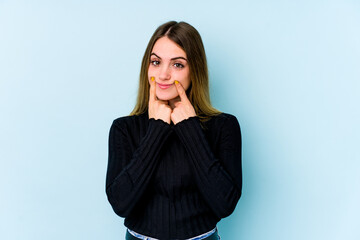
289, 70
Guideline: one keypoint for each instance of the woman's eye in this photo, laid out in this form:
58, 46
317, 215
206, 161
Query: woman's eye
178, 65
154, 62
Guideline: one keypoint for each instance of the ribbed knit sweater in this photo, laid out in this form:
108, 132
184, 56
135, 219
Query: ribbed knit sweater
174, 181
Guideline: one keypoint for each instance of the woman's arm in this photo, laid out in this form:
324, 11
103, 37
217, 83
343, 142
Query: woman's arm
218, 179
129, 171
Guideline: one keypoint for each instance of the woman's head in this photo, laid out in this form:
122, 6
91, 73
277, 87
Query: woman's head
175, 52
168, 62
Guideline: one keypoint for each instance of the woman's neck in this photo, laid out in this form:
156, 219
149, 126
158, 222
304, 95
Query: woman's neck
172, 102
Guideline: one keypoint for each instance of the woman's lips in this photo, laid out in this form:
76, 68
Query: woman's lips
164, 86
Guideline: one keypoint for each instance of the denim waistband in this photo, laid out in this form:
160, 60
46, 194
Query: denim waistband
199, 237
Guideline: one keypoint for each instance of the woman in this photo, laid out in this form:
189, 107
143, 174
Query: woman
174, 167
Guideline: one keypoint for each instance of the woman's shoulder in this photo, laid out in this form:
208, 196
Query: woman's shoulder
223, 118
130, 120
222, 122
225, 124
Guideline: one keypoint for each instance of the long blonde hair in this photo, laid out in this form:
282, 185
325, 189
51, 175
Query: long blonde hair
189, 39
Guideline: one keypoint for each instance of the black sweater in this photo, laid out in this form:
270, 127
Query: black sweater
174, 181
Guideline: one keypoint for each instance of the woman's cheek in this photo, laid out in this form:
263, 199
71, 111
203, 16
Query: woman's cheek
185, 83
150, 74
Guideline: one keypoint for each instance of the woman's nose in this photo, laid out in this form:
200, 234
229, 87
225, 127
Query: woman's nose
164, 73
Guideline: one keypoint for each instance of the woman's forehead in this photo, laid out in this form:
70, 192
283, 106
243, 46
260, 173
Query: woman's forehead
167, 49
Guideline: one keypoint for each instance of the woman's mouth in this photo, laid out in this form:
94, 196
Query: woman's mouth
164, 86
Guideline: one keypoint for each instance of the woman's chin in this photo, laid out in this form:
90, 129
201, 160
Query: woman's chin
165, 98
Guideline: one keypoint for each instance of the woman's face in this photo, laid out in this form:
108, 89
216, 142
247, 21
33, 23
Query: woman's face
168, 62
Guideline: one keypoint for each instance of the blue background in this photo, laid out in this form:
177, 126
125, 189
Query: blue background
289, 71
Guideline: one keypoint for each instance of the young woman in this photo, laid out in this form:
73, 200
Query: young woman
174, 167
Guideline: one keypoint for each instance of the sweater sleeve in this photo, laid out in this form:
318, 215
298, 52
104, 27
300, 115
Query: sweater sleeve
218, 179
128, 171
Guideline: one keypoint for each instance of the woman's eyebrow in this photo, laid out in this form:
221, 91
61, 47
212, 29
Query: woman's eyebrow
179, 58
171, 58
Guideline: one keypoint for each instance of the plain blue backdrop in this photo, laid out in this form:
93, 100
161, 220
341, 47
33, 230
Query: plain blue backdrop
288, 70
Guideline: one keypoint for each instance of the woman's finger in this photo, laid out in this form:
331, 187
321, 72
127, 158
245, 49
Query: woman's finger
181, 91
177, 104
152, 96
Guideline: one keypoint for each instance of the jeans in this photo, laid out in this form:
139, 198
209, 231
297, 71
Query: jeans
214, 236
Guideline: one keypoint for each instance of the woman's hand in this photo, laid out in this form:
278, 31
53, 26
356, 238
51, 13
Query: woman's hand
183, 108
158, 109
